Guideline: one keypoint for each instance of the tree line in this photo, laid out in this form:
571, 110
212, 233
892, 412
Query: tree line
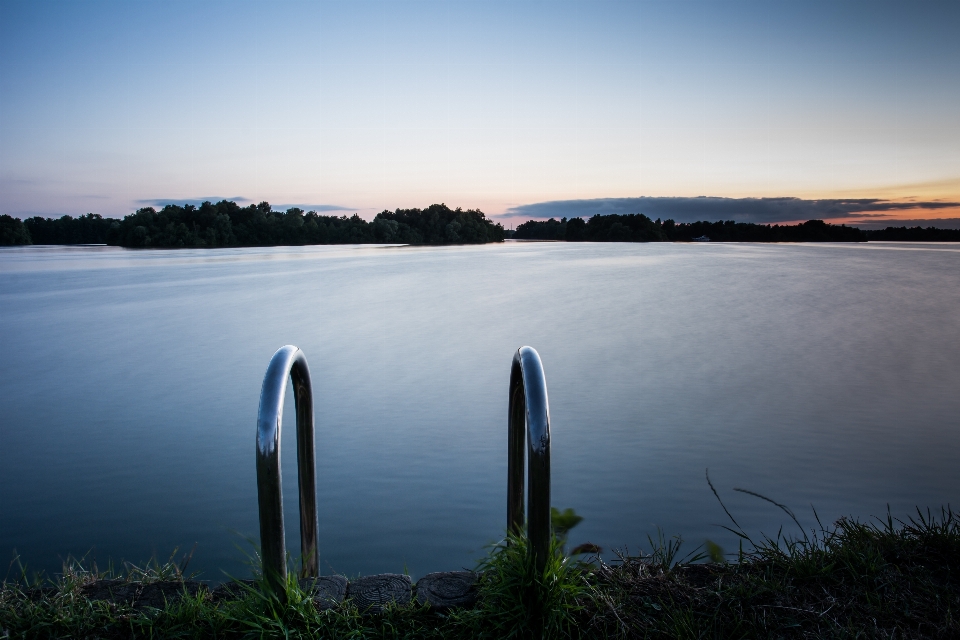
640, 228
914, 234
226, 224
87, 229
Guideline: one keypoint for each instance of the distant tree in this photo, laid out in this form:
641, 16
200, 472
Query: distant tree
576, 230
87, 229
551, 229
439, 224
730, 231
914, 234
623, 228
227, 224
639, 228
13, 231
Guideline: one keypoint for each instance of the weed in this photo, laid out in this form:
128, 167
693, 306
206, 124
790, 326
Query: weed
518, 602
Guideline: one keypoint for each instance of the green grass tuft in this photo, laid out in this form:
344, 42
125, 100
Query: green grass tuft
517, 602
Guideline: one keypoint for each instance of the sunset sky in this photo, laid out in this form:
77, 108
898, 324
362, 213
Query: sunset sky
837, 110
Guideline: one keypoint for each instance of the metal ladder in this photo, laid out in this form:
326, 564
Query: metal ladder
528, 407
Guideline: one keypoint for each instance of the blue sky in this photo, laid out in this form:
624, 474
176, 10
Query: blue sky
503, 106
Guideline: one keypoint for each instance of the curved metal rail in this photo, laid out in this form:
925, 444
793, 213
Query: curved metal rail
529, 408
288, 360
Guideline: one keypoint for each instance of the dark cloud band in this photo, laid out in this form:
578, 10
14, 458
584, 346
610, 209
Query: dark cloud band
708, 208
319, 208
161, 202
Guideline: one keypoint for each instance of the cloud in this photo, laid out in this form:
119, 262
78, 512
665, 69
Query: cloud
319, 208
758, 210
161, 202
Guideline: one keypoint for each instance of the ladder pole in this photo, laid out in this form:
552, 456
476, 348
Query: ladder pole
528, 423
287, 361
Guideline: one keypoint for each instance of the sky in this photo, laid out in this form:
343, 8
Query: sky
771, 111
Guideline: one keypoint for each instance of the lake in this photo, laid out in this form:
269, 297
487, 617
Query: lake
815, 374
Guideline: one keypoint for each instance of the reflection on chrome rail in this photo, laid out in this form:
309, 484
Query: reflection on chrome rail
288, 360
529, 415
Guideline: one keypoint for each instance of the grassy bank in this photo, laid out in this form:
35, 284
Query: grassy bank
879, 579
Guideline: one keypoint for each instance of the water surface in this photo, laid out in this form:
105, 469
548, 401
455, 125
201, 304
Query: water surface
815, 374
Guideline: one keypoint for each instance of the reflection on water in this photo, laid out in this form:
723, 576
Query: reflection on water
823, 374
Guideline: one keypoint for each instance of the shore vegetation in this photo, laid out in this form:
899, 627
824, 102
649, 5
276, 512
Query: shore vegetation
884, 578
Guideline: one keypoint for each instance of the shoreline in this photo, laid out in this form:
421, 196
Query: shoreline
880, 579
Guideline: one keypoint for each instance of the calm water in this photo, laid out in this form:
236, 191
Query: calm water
815, 374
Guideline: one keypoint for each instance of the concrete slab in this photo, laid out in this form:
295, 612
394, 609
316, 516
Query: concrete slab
447, 589
234, 590
328, 591
372, 593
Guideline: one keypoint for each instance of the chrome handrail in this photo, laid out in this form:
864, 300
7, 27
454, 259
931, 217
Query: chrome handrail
529, 407
288, 360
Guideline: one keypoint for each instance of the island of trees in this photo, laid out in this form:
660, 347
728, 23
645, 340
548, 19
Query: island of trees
639, 228
226, 224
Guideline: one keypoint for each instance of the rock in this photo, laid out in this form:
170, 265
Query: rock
328, 591
446, 589
138, 594
158, 594
39, 593
233, 590
115, 591
372, 593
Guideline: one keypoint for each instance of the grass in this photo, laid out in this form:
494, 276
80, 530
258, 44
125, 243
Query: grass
881, 579
884, 578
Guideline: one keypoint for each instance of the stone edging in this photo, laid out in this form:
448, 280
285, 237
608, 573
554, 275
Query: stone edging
440, 590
